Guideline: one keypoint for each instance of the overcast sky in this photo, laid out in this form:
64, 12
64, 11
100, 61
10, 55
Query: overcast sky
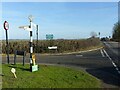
66, 20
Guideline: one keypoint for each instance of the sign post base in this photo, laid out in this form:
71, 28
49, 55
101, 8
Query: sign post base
34, 68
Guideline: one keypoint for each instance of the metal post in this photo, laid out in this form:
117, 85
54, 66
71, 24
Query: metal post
37, 34
37, 39
31, 46
24, 58
15, 57
7, 47
99, 35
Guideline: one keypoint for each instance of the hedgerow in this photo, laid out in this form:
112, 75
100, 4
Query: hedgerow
42, 45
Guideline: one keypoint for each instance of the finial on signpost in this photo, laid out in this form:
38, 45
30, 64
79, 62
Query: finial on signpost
30, 17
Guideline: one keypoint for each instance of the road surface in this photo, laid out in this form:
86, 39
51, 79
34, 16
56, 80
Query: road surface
104, 63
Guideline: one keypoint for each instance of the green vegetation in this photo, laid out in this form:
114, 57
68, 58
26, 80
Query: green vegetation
47, 77
116, 32
63, 45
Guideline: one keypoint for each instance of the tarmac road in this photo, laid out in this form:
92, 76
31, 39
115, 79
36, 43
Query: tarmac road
104, 63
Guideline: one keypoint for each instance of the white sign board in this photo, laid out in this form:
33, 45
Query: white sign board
26, 28
53, 47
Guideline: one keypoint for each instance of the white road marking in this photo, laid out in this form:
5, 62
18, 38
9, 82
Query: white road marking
119, 72
114, 64
79, 55
117, 69
112, 61
106, 54
102, 53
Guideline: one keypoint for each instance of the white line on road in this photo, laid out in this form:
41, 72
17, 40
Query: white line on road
117, 69
79, 55
106, 54
112, 61
114, 64
119, 72
102, 53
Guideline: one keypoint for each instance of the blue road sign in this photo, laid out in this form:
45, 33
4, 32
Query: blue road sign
49, 36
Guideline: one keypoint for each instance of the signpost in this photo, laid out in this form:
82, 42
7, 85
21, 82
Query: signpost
33, 67
31, 46
6, 27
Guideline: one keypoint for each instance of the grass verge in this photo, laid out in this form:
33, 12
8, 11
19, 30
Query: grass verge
47, 77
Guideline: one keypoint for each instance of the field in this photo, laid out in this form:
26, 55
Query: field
47, 77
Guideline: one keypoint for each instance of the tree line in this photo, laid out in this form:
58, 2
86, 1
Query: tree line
42, 45
116, 32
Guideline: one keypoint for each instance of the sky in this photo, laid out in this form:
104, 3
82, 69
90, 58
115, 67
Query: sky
65, 20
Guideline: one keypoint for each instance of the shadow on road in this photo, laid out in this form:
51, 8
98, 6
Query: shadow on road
106, 75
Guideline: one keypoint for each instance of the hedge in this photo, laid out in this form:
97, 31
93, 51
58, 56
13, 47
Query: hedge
42, 46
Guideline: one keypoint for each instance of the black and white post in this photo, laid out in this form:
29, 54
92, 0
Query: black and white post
33, 66
31, 40
31, 48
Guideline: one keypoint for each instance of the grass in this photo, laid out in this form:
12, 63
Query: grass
47, 77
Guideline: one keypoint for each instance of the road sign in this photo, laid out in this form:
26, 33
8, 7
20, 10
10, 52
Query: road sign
13, 71
6, 25
49, 36
53, 47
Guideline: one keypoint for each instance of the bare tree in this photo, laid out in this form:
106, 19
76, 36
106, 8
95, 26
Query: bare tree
93, 34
